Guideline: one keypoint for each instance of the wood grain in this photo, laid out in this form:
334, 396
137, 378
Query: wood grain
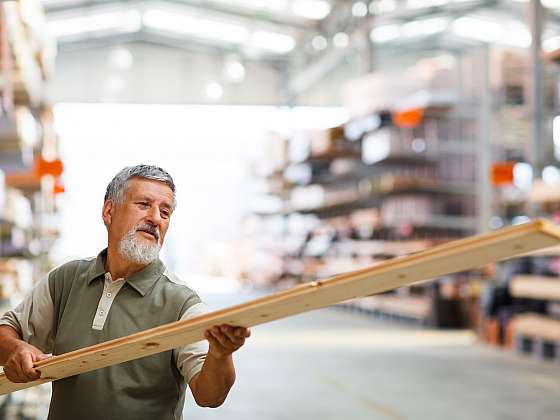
444, 259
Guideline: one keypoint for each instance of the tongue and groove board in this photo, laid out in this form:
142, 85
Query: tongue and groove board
438, 261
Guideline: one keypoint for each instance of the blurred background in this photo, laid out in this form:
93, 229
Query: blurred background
307, 138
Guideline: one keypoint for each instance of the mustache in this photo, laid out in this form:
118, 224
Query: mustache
148, 228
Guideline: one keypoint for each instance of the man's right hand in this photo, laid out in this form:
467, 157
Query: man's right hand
19, 365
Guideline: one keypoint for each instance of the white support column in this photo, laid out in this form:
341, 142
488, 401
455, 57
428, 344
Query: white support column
484, 145
537, 145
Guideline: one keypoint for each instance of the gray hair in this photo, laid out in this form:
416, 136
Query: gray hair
117, 187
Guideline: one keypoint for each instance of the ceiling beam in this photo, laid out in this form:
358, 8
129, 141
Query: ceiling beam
161, 39
315, 72
293, 23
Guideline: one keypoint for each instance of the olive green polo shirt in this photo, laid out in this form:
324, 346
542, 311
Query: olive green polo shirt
79, 305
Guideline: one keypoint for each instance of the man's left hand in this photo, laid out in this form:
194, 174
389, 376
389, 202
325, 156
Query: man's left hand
225, 339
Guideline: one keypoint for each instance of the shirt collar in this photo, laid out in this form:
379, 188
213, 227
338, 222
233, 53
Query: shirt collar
98, 267
141, 281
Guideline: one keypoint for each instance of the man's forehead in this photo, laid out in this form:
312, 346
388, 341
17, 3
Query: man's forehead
148, 188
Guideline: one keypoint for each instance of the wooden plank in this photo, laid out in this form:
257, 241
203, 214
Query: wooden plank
536, 326
535, 287
553, 251
452, 257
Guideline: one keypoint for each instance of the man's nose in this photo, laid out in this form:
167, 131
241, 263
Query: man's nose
154, 216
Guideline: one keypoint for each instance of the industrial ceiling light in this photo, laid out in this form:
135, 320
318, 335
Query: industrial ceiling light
422, 4
234, 70
385, 33
425, 27
271, 5
513, 33
359, 9
132, 21
311, 9
104, 21
120, 58
272, 41
341, 40
201, 27
319, 43
383, 6
214, 91
486, 31
218, 30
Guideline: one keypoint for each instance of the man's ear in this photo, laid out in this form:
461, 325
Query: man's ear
107, 213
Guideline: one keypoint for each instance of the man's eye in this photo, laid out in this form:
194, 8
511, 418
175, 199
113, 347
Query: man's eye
166, 213
143, 204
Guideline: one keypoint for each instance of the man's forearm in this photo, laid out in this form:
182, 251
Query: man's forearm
211, 386
9, 341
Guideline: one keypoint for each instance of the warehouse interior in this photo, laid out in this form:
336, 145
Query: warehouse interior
307, 138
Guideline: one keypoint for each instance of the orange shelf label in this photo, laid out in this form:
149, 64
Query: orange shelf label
502, 173
410, 118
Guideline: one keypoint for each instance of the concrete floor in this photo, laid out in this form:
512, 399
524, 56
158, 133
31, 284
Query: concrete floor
336, 365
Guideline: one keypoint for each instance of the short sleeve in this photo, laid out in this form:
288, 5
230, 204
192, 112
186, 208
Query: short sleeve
190, 358
33, 318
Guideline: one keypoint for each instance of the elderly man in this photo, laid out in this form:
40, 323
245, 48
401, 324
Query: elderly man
124, 290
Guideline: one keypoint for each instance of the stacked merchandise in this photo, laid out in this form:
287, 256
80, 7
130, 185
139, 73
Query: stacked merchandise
398, 177
521, 307
30, 171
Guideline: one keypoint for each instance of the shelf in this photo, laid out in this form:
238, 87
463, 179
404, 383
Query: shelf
467, 223
333, 210
453, 146
415, 307
332, 155
25, 180
380, 187
407, 177
32, 53
411, 159
380, 247
411, 186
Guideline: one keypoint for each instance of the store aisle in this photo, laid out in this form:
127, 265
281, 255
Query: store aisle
332, 364
336, 365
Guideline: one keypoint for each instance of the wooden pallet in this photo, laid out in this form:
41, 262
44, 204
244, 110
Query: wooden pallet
441, 260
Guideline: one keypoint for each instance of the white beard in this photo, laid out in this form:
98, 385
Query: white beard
136, 251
